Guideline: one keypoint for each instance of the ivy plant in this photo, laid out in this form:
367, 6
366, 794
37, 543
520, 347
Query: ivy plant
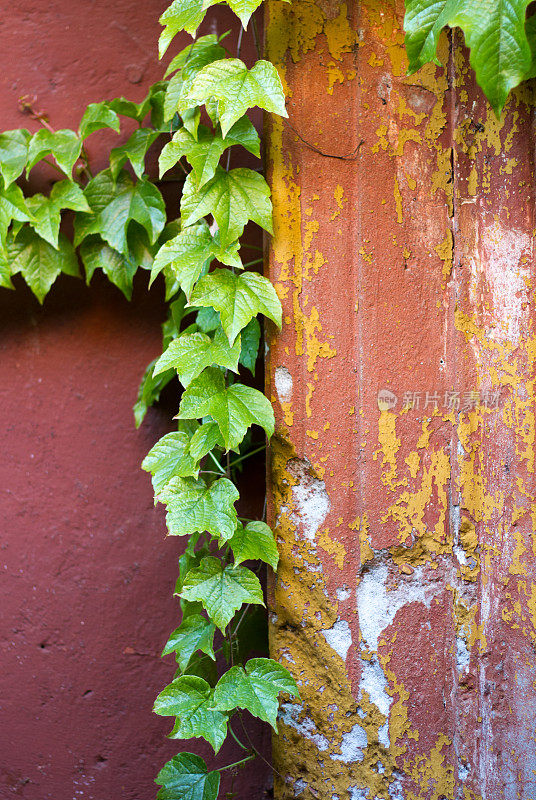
212, 334
500, 37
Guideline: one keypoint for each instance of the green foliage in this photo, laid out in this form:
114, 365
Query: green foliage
221, 590
254, 542
233, 198
186, 777
115, 204
238, 298
495, 32
211, 336
195, 507
190, 700
255, 686
190, 353
39, 262
194, 633
170, 458
237, 89
233, 408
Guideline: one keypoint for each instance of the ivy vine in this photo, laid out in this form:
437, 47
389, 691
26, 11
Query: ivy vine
212, 328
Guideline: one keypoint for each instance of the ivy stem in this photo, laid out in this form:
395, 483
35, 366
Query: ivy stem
54, 166
237, 740
247, 455
220, 468
255, 36
255, 261
236, 763
239, 42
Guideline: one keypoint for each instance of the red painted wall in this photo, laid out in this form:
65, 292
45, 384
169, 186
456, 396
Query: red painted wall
86, 574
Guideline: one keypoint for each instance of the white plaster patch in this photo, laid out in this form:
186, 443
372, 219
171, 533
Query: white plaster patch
374, 683
311, 502
352, 746
378, 606
501, 260
357, 793
462, 654
395, 790
339, 638
283, 384
343, 593
299, 787
289, 713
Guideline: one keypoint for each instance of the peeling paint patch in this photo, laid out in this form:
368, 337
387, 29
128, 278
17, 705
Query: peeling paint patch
289, 714
378, 605
339, 637
310, 498
352, 745
283, 384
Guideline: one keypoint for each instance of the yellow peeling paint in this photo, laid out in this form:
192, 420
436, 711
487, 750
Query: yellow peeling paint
334, 548
445, 253
398, 203
340, 36
390, 445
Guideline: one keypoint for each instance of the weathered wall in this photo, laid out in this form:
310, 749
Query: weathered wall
405, 605
86, 574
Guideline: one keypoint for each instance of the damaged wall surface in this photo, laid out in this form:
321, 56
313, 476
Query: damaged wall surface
403, 490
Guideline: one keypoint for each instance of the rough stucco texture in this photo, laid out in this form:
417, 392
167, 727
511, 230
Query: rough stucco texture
405, 603
87, 576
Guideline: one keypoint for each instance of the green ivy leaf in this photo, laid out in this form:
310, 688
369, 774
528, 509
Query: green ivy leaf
149, 391
255, 541
530, 30
134, 150
12, 207
244, 9
98, 116
189, 253
5, 269
207, 319
494, 32
13, 154
46, 211
205, 151
234, 408
205, 439
222, 591
200, 665
233, 198
64, 145
251, 337
194, 633
238, 298
182, 15
191, 353
119, 269
237, 88
115, 204
196, 55
127, 108
195, 507
169, 458
190, 61
255, 687
189, 698
186, 777
39, 262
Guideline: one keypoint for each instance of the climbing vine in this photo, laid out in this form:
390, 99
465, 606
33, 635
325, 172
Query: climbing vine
199, 110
